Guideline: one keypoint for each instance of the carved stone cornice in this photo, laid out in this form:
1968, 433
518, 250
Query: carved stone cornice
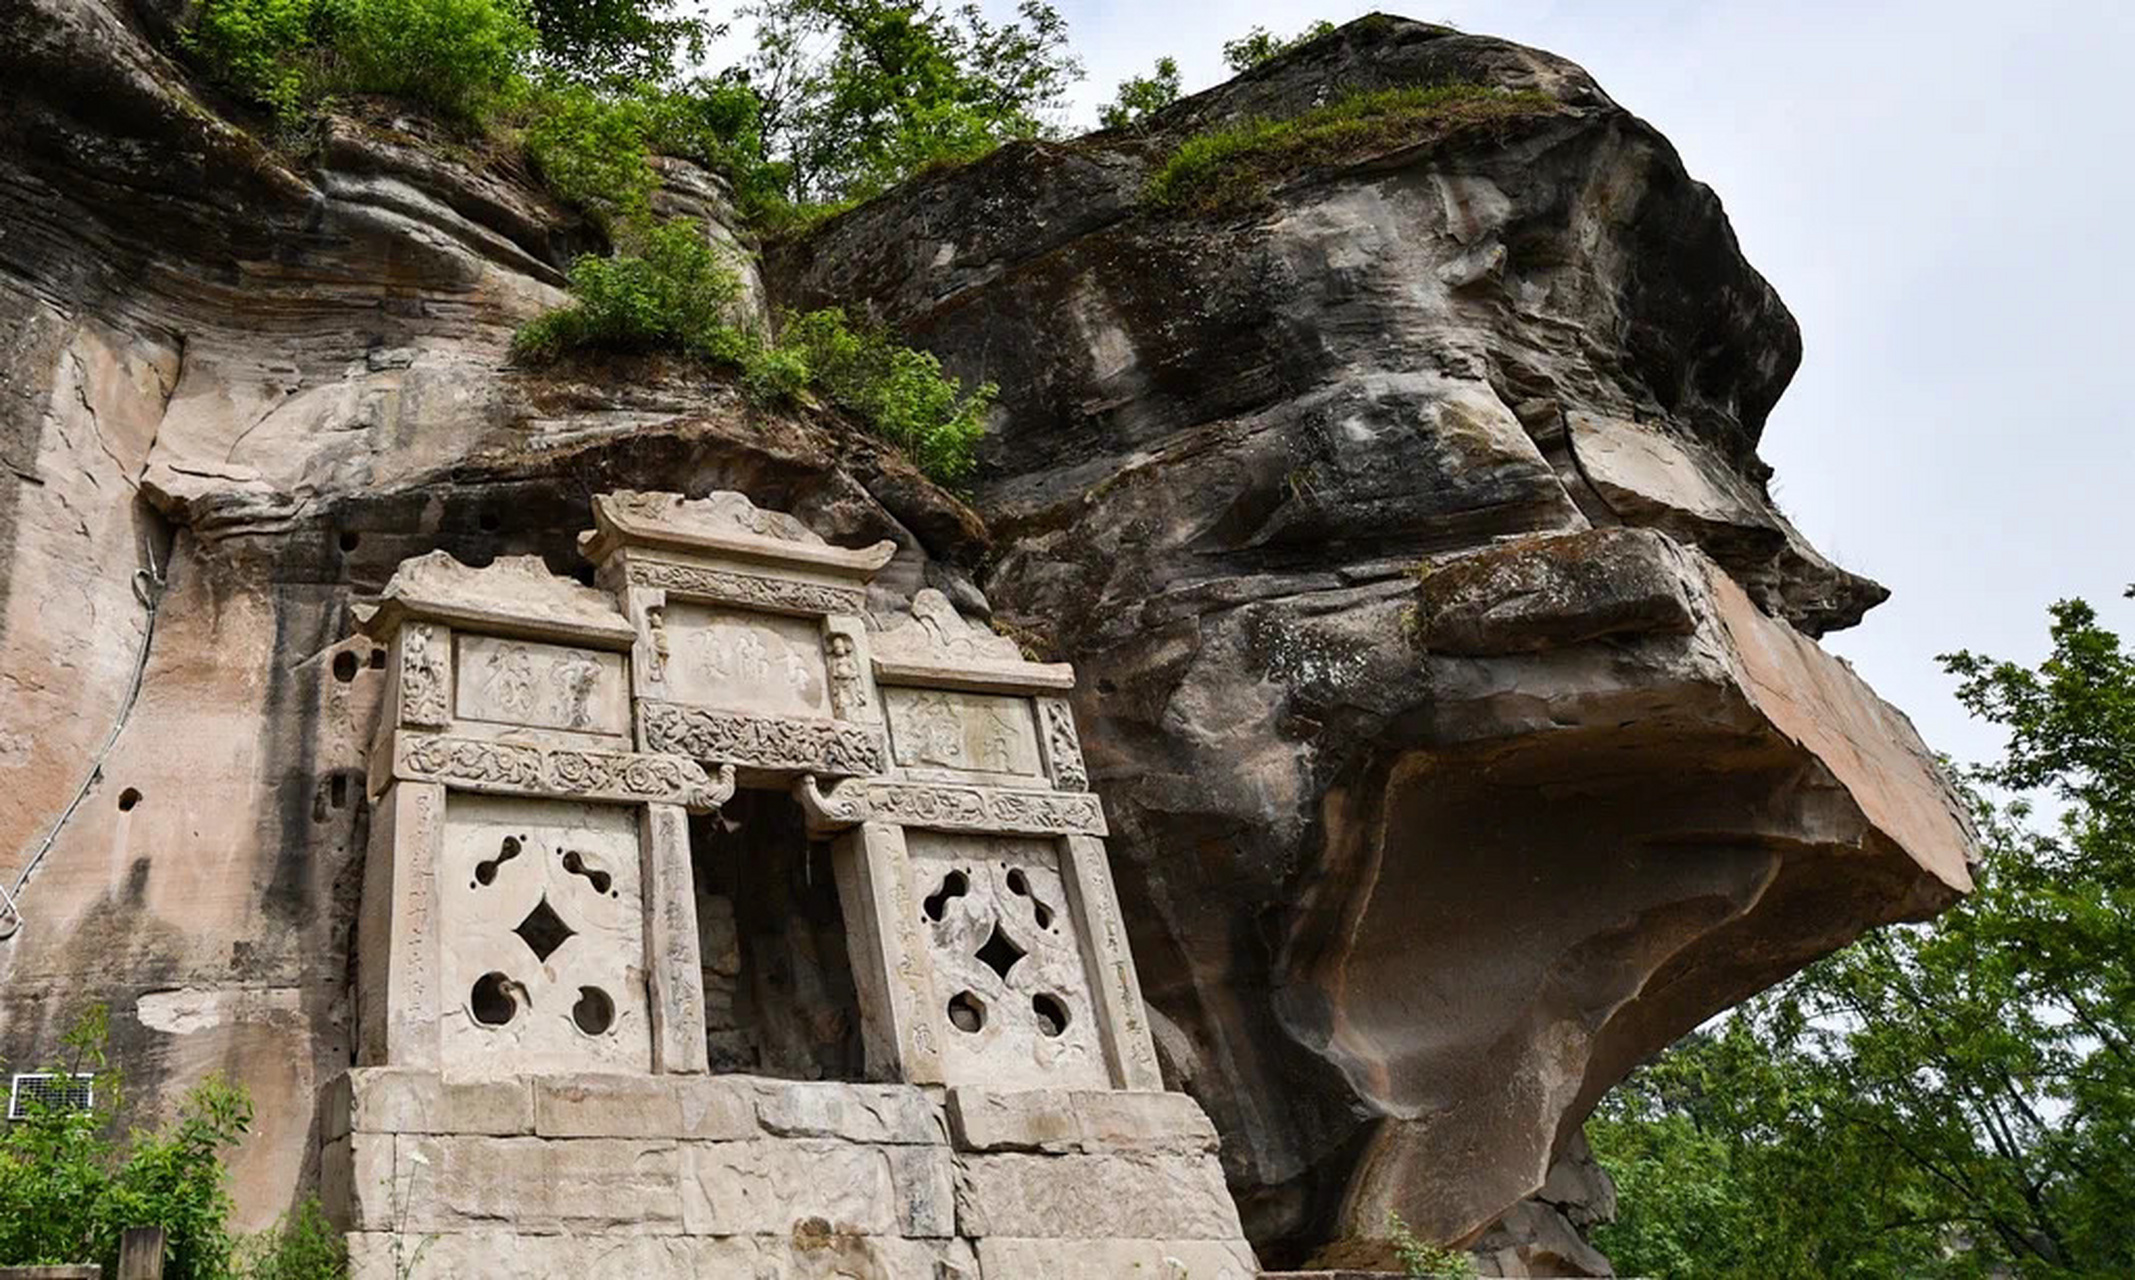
724, 526
948, 807
558, 772
721, 586
829, 748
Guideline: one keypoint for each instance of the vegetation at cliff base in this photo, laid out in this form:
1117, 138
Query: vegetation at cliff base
70, 1187
1237, 163
1955, 1099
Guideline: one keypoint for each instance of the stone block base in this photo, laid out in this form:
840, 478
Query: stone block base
651, 1177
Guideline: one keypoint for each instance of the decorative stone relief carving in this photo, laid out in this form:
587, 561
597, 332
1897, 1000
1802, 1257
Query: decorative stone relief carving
826, 747
937, 632
1008, 966
1063, 747
487, 765
724, 587
949, 808
422, 678
509, 681
944, 730
543, 938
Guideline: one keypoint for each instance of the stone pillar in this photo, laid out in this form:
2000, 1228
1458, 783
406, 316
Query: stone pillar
1114, 987
900, 1018
672, 972
397, 943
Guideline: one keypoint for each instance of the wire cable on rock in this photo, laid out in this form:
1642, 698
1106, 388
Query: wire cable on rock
148, 589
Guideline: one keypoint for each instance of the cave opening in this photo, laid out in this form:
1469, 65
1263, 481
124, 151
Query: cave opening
779, 998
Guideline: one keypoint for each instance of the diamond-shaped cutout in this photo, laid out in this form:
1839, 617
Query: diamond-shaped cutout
543, 930
999, 953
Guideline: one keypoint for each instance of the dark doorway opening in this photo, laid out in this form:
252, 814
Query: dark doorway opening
778, 985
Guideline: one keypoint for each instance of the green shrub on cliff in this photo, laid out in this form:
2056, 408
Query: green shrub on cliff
1236, 164
668, 288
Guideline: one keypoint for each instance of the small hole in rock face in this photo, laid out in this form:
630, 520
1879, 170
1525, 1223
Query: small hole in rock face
485, 871
575, 863
1052, 1014
128, 799
337, 791
345, 665
954, 885
967, 1012
489, 522
377, 659
595, 1012
999, 954
492, 1000
350, 540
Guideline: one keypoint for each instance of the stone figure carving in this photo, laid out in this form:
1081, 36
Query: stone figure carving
422, 678
574, 678
1063, 746
656, 623
848, 691
508, 678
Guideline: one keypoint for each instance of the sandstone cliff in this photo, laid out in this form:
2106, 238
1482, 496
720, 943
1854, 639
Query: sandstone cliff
1448, 672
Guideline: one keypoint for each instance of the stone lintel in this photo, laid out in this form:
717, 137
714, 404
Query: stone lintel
739, 584
976, 676
778, 744
948, 807
553, 769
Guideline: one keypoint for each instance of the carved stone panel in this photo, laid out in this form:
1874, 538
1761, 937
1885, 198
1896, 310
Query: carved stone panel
829, 748
547, 686
1008, 964
943, 733
760, 663
542, 924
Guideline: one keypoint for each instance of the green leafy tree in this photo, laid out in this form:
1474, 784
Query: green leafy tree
1140, 95
857, 95
68, 1189
620, 42
1260, 44
1953, 1099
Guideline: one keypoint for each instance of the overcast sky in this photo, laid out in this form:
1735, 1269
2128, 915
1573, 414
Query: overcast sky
1940, 190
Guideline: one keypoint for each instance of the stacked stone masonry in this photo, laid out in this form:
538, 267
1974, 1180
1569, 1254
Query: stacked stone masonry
545, 981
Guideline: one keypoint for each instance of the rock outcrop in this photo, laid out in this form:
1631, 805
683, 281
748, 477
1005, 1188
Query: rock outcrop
1424, 866
1447, 671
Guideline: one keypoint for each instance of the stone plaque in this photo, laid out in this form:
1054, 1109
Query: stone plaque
541, 919
547, 686
761, 663
942, 731
1008, 965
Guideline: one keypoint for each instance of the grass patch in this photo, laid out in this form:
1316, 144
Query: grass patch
1237, 164
668, 288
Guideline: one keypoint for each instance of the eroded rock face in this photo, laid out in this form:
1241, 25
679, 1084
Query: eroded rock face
1420, 867
1415, 869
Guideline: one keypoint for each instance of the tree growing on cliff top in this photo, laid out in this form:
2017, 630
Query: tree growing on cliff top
1953, 1099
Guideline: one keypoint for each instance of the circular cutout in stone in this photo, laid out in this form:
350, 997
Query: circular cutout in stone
595, 1012
345, 665
128, 799
967, 1013
492, 1001
1052, 1013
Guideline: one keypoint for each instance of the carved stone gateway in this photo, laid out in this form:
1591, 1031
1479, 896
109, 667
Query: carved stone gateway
533, 1094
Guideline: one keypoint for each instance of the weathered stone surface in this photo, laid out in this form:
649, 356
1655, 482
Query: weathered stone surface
1151, 1197
770, 1186
394, 1100
1113, 1259
1059, 1121
437, 1183
853, 1112
801, 1255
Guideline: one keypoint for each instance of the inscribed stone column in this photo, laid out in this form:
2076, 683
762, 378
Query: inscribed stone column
900, 1018
673, 979
397, 940
1114, 985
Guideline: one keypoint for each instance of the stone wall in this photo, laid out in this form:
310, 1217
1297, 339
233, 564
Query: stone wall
651, 1177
